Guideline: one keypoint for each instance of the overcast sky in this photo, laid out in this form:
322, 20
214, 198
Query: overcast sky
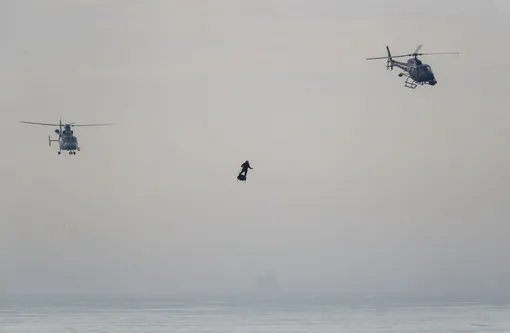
358, 184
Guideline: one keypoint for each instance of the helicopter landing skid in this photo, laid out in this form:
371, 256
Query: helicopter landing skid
410, 83
71, 152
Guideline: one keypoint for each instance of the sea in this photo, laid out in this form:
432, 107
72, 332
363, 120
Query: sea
242, 314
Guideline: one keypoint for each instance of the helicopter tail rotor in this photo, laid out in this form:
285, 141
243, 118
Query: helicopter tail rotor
389, 58
389, 64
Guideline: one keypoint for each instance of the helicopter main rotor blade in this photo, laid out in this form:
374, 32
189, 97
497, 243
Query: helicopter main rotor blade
418, 48
397, 56
92, 125
376, 58
420, 54
413, 55
34, 123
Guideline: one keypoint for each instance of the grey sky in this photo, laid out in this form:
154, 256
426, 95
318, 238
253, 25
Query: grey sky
358, 182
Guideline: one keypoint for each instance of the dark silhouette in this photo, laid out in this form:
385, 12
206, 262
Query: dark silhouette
244, 171
417, 72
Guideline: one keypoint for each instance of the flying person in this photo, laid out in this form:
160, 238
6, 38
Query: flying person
244, 171
245, 166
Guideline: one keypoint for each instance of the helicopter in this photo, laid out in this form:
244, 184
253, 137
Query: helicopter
66, 139
414, 69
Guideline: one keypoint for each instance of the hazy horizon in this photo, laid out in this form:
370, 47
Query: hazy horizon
358, 183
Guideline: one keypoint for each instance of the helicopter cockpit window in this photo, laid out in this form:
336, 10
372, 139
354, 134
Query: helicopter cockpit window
424, 70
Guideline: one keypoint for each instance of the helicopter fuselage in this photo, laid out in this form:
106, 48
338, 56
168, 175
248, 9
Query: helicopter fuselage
69, 142
418, 71
66, 140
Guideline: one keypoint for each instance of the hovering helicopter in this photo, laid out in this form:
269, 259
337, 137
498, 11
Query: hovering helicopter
66, 139
415, 71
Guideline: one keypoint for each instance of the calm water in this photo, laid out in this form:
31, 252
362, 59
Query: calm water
291, 314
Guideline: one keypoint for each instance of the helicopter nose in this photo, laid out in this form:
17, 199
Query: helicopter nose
433, 82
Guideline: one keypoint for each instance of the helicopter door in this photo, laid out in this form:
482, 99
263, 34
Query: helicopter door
413, 71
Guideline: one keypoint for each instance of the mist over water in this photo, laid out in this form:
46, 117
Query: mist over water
245, 314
